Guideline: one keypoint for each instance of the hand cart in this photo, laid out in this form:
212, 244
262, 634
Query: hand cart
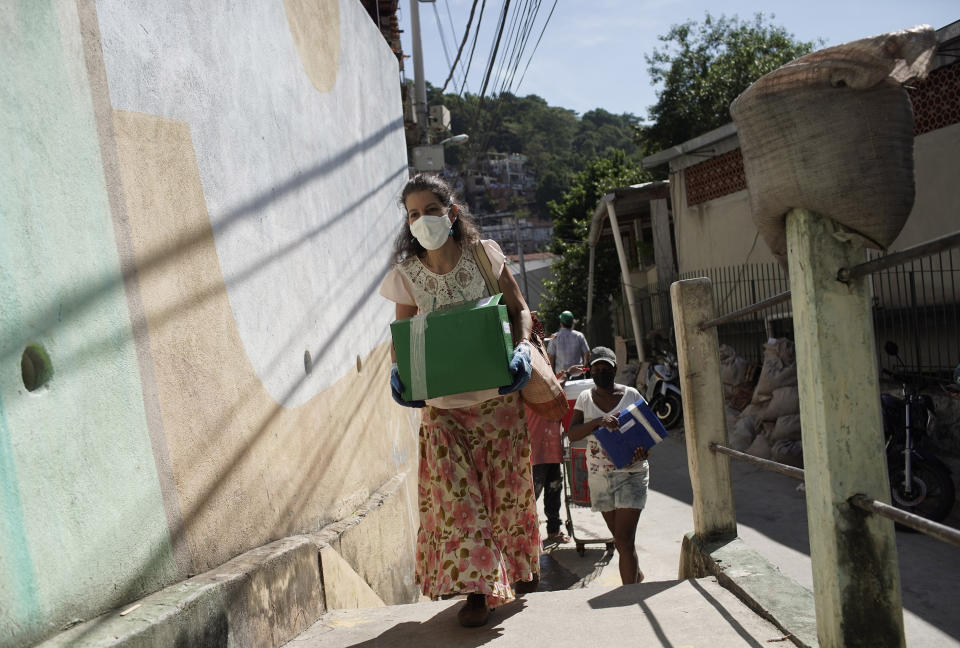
576, 491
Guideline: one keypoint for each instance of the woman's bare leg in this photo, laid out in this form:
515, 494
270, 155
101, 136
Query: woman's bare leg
622, 523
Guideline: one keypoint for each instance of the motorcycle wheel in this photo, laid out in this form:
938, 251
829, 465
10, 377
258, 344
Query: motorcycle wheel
669, 409
932, 494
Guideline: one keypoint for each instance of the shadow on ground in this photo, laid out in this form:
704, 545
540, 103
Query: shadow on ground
772, 505
425, 633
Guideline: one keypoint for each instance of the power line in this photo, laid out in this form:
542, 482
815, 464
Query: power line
518, 41
486, 80
522, 76
476, 35
531, 21
496, 47
466, 34
453, 31
443, 41
508, 52
518, 44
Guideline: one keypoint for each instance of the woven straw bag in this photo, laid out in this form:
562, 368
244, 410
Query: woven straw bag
832, 132
543, 393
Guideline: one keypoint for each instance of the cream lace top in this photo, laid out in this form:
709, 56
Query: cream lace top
413, 284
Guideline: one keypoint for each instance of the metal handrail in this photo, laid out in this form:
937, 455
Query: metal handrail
783, 469
939, 244
923, 525
763, 304
928, 527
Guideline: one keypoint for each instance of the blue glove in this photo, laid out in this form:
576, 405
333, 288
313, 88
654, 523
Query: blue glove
519, 367
396, 390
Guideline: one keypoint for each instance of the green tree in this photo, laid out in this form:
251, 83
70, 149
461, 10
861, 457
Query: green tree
557, 141
571, 227
703, 67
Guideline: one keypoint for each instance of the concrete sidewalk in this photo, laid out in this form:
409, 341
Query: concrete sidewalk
688, 613
771, 514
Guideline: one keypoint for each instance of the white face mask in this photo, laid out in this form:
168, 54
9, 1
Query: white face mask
431, 231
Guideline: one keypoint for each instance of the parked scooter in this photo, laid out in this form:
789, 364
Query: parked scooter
662, 391
919, 482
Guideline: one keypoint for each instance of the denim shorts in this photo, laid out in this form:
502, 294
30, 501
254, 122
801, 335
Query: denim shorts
617, 489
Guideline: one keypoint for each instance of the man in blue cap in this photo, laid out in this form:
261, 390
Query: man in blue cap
568, 349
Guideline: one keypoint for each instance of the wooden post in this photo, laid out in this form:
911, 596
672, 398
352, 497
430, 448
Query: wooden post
627, 284
856, 582
704, 421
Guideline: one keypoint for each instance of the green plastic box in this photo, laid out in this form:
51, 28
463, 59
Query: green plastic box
459, 349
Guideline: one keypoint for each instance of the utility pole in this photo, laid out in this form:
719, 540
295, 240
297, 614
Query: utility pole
523, 267
419, 82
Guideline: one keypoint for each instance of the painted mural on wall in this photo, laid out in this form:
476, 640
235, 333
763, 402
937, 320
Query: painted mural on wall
197, 203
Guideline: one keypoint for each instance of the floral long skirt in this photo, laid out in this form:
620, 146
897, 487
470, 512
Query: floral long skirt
479, 531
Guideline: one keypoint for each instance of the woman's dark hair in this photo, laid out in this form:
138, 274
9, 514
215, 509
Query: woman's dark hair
464, 230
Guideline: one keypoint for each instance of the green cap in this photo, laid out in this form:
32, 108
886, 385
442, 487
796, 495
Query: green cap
566, 317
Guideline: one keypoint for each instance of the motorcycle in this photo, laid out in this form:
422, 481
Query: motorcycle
919, 482
662, 390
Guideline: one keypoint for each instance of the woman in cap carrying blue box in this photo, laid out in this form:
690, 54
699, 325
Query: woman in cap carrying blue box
478, 518
619, 494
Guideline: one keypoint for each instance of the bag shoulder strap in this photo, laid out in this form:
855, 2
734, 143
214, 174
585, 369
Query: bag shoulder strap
486, 269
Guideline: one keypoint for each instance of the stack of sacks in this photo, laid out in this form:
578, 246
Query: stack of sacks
628, 374
733, 377
770, 426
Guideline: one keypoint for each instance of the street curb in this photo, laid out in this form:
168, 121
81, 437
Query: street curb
759, 584
264, 597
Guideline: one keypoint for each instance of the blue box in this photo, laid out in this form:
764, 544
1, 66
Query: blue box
639, 428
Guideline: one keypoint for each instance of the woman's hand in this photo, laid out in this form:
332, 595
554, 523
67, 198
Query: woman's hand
580, 429
396, 390
640, 454
519, 368
610, 421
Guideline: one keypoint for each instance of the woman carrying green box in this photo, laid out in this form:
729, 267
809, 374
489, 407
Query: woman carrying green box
478, 518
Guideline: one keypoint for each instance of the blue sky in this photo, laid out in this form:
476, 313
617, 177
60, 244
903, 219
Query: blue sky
592, 52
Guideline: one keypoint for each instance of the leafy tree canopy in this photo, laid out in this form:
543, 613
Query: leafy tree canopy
572, 215
703, 67
557, 141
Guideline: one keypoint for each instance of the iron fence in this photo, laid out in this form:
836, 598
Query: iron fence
916, 305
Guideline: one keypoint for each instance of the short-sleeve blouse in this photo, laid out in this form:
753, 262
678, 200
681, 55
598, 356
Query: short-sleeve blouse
413, 284
597, 459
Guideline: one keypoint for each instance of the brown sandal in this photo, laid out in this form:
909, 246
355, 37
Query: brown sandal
474, 612
525, 587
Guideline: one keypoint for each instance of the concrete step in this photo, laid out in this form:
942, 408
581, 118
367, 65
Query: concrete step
682, 614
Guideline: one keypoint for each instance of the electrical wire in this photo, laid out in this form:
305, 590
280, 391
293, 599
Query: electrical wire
496, 47
510, 44
466, 34
525, 27
473, 47
453, 31
443, 41
546, 22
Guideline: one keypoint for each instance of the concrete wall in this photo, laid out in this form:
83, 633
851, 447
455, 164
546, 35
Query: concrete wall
716, 233
721, 232
197, 203
936, 164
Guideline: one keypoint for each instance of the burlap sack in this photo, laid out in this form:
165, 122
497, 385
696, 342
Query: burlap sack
787, 428
742, 433
733, 368
779, 368
739, 396
760, 447
788, 452
785, 401
832, 132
